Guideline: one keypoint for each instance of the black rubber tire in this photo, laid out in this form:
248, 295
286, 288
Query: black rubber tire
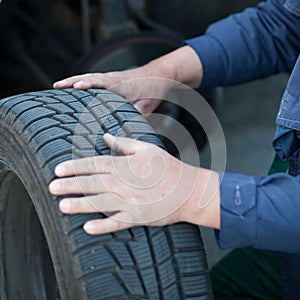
45, 254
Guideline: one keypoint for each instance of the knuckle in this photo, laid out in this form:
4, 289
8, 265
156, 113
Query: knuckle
107, 183
92, 182
90, 164
87, 75
68, 185
119, 225
90, 204
104, 163
80, 204
71, 204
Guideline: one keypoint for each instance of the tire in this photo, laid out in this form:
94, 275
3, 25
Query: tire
45, 254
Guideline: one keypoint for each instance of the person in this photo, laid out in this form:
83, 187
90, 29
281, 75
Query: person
246, 211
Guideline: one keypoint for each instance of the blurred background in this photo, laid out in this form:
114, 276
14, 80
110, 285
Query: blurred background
43, 41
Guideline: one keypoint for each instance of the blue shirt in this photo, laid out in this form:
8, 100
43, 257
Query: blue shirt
261, 212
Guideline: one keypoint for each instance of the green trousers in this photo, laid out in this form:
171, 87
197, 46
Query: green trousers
249, 273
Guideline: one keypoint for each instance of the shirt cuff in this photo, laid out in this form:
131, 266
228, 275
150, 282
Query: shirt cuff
210, 53
238, 211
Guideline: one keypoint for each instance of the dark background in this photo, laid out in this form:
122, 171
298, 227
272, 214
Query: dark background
42, 41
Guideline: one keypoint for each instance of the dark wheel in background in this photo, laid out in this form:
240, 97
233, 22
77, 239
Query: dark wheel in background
125, 52
47, 255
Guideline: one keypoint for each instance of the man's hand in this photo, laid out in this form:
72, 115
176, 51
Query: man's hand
144, 186
135, 85
131, 85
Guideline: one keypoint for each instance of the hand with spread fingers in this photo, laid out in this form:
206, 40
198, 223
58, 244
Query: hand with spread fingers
143, 186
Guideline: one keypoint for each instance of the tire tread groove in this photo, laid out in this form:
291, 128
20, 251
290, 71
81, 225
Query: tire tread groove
64, 124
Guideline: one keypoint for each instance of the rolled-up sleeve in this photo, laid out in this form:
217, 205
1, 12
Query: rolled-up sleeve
260, 212
253, 44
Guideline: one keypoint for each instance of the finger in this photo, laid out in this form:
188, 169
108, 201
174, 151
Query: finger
85, 166
122, 145
106, 202
67, 82
107, 225
85, 81
140, 107
92, 184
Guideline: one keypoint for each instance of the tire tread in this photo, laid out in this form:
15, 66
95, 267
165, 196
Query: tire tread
140, 263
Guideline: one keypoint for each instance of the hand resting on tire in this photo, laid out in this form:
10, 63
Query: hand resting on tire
144, 185
181, 65
129, 84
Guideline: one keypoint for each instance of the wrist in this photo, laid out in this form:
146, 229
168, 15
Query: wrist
203, 206
182, 65
188, 68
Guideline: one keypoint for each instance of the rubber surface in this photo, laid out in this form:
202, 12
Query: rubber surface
37, 131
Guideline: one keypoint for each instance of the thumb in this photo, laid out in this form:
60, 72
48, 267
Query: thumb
123, 145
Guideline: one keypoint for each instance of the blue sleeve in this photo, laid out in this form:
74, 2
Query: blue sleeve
253, 44
260, 212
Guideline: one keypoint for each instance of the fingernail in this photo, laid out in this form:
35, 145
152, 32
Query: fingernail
77, 84
89, 227
54, 186
65, 206
108, 136
59, 82
60, 170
